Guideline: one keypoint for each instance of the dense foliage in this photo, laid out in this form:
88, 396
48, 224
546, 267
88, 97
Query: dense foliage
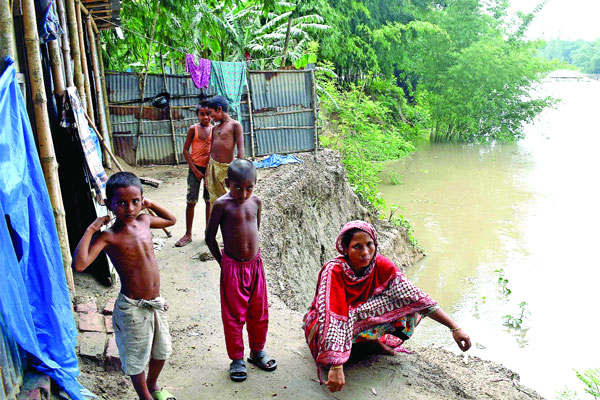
584, 55
389, 71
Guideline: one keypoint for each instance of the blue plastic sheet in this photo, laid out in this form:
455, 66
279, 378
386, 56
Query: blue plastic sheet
34, 299
275, 160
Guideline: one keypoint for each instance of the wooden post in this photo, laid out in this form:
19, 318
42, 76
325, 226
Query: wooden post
250, 117
87, 104
104, 92
66, 48
98, 87
287, 40
57, 69
42, 123
75, 50
315, 115
175, 156
6, 31
143, 85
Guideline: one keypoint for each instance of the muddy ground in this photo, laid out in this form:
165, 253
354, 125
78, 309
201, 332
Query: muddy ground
198, 367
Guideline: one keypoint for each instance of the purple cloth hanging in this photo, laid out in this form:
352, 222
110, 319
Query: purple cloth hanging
200, 73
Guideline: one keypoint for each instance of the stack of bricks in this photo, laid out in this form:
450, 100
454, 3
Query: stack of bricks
97, 339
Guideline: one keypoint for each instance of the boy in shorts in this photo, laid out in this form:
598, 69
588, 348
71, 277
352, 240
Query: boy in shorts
226, 136
199, 138
139, 317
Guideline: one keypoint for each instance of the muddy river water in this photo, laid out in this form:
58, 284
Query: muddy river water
529, 209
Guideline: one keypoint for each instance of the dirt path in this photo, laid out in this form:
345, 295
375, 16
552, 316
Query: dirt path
198, 367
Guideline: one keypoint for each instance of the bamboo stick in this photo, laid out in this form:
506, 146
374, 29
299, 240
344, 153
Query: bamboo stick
98, 87
88, 104
143, 84
66, 48
75, 50
167, 232
6, 31
104, 92
315, 115
287, 40
175, 157
46, 146
251, 120
57, 69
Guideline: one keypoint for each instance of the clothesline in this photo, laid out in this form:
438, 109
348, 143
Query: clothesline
166, 45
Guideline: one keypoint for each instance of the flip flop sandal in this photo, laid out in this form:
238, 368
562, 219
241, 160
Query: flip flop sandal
162, 394
237, 371
261, 360
181, 242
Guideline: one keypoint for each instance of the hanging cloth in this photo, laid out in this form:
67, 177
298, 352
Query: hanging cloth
88, 140
200, 73
48, 25
229, 79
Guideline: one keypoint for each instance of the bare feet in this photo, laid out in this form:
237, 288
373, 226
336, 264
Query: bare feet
384, 348
185, 239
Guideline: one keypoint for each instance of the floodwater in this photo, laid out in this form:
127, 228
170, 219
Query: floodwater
530, 209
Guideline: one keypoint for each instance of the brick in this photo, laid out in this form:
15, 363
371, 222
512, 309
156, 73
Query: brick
91, 322
110, 306
112, 361
108, 324
85, 304
91, 344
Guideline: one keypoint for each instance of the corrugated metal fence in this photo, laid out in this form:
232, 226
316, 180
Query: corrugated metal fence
12, 364
282, 117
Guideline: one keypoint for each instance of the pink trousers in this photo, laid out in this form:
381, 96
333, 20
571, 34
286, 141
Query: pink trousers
243, 300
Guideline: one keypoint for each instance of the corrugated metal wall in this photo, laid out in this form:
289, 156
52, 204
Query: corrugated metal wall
280, 100
282, 111
12, 364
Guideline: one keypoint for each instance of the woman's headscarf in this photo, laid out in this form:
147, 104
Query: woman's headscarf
363, 226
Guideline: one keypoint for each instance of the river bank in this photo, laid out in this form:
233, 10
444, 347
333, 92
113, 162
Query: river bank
304, 205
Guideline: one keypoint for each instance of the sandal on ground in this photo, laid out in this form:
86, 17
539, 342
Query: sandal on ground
237, 371
162, 394
262, 360
183, 242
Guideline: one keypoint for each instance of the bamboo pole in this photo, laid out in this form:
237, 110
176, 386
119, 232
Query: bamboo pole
98, 87
57, 68
87, 105
6, 31
66, 48
143, 84
315, 115
104, 92
75, 50
287, 40
110, 153
175, 156
250, 118
42, 122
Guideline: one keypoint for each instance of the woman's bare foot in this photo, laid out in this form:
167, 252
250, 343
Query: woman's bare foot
384, 348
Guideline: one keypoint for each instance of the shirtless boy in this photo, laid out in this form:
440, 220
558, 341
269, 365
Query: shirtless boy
243, 288
225, 137
139, 319
199, 138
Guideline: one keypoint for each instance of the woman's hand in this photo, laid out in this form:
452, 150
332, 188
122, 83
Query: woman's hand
335, 379
462, 339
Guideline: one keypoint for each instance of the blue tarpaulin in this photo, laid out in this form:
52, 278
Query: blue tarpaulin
275, 160
34, 299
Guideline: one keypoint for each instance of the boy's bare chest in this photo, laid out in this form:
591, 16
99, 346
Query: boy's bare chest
242, 214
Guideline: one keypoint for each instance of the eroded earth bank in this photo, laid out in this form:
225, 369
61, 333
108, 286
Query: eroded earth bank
304, 206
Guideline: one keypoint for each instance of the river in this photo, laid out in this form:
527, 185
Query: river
530, 209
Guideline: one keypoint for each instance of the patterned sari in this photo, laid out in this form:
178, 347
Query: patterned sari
349, 308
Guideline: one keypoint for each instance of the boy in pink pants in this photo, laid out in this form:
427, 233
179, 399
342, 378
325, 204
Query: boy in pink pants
243, 288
